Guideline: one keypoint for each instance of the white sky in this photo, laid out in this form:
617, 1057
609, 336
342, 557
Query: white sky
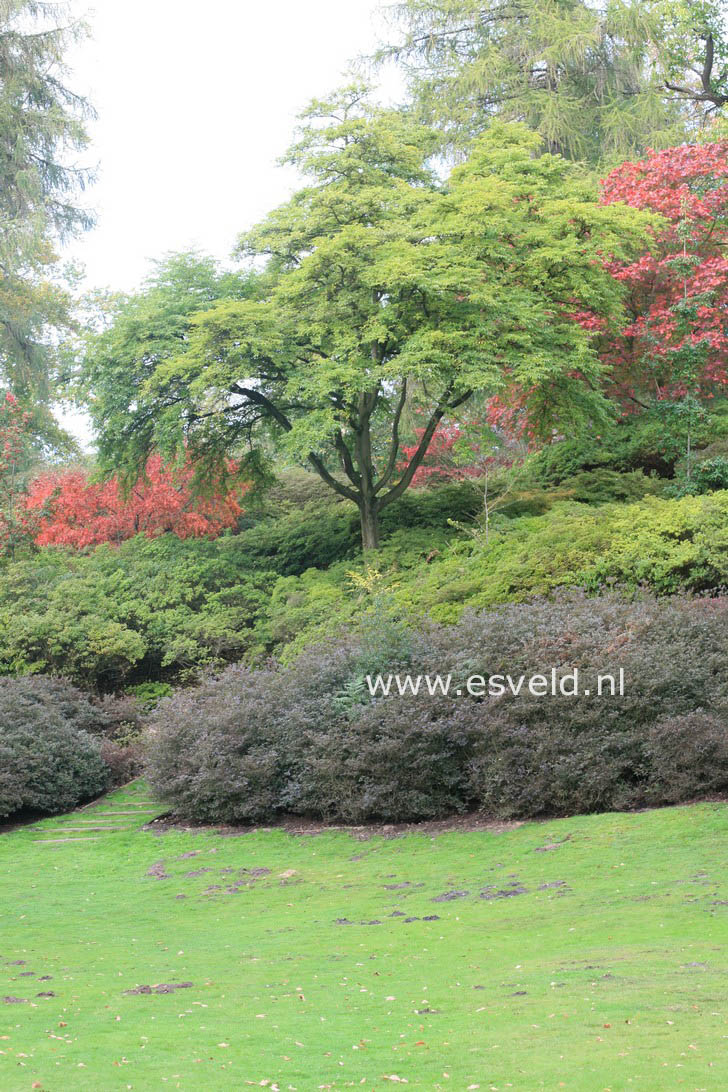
196, 101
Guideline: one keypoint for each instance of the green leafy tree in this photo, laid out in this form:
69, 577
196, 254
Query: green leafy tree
599, 82
129, 337
385, 289
42, 127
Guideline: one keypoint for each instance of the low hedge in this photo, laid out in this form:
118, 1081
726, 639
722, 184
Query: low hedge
308, 739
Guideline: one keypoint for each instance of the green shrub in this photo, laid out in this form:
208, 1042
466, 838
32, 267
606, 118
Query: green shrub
163, 609
150, 607
644, 442
605, 486
49, 761
314, 536
325, 530
309, 739
709, 475
150, 694
670, 546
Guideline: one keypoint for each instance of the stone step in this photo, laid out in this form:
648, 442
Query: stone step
137, 811
60, 841
92, 826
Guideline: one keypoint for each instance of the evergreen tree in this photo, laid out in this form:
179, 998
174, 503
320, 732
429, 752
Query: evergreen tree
41, 129
597, 82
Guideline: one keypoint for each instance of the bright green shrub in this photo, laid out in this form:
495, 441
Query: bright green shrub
668, 545
149, 694
605, 486
149, 606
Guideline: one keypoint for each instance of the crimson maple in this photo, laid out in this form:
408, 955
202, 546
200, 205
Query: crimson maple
674, 344
441, 462
74, 511
676, 338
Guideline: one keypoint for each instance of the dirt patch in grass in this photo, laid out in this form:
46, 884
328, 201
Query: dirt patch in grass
158, 871
396, 914
161, 987
505, 893
552, 845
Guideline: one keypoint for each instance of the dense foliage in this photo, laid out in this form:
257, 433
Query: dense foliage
42, 129
386, 291
17, 526
68, 509
539, 542
590, 79
676, 341
50, 753
164, 608
310, 740
133, 611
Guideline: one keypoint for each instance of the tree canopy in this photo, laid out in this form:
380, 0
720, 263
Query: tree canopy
676, 338
384, 289
598, 82
67, 508
42, 128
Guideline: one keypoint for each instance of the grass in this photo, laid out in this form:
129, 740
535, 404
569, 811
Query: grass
604, 969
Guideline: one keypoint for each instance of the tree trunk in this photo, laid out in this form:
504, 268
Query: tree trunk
368, 504
369, 524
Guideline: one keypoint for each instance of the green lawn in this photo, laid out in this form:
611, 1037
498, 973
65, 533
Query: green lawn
585, 953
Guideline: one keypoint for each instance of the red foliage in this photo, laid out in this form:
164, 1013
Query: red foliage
441, 460
508, 414
76, 512
677, 336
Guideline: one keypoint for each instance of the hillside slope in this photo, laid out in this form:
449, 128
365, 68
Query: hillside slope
582, 953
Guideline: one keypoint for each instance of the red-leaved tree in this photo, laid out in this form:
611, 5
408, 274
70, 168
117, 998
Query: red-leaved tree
676, 340
674, 345
445, 456
73, 511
